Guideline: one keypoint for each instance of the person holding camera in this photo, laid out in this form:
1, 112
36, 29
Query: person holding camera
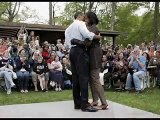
137, 68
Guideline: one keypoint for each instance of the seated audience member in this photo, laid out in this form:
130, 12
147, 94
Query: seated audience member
3, 46
22, 71
155, 61
49, 61
145, 54
56, 73
138, 64
33, 61
151, 51
107, 76
110, 54
103, 69
28, 51
120, 71
46, 53
14, 50
60, 52
6, 71
41, 69
67, 74
128, 51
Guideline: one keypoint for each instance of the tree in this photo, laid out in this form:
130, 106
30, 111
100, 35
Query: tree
11, 11
127, 22
155, 22
50, 13
113, 15
54, 11
3, 8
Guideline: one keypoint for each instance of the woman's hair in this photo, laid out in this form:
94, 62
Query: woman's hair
93, 19
33, 55
148, 57
119, 54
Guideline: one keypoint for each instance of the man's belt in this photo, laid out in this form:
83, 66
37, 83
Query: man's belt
78, 43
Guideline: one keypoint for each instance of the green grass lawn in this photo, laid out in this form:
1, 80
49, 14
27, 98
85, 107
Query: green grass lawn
149, 100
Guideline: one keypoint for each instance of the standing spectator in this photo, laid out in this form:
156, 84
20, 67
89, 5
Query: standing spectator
37, 41
30, 37
22, 35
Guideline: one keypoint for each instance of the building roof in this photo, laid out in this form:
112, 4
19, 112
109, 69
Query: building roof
11, 28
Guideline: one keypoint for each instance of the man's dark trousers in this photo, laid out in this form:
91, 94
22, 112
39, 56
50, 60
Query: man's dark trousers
80, 75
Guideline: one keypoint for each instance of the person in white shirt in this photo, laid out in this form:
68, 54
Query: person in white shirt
79, 61
22, 35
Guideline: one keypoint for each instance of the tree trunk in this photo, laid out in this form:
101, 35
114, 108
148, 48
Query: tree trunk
113, 15
50, 13
84, 7
90, 6
155, 23
13, 10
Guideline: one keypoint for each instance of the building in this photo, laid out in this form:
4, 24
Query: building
48, 33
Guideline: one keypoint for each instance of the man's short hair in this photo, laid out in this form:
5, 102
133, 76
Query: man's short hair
77, 14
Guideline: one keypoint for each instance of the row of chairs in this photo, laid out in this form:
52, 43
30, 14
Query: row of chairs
145, 80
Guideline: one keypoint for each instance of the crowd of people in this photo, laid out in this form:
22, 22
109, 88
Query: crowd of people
122, 61
23, 61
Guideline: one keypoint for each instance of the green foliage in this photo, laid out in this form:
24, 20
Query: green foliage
3, 8
135, 28
127, 22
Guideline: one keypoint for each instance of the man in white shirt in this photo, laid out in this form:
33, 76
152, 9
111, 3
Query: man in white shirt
79, 61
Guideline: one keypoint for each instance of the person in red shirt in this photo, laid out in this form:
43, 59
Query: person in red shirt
49, 61
46, 53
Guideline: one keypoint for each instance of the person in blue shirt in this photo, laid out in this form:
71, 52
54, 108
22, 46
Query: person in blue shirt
138, 65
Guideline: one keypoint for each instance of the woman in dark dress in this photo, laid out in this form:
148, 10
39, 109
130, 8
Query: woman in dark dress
95, 62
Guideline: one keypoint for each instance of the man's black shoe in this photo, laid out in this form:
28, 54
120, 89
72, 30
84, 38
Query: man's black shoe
77, 107
89, 109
